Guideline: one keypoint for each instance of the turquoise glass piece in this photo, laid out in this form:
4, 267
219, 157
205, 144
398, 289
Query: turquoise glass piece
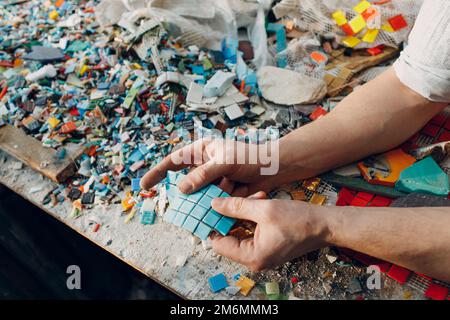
424, 177
190, 224
224, 225
202, 231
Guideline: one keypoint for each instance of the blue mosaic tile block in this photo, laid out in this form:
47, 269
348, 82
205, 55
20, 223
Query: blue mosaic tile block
194, 212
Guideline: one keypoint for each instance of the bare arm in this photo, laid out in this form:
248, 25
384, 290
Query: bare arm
375, 118
416, 238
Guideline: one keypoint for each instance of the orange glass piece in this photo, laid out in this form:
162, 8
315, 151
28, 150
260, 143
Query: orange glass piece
246, 285
348, 30
396, 160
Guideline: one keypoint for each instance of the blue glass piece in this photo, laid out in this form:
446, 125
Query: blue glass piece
202, 231
178, 179
176, 204
211, 218
195, 197
205, 202
213, 191
182, 195
224, 225
186, 207
170, 215
191, 224
218, 283
199, 212
172, 177
136, 185
179, 219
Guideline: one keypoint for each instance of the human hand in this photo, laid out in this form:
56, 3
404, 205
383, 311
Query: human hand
212, 160
285, 230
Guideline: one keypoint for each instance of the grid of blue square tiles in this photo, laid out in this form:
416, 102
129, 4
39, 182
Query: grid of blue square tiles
194, 212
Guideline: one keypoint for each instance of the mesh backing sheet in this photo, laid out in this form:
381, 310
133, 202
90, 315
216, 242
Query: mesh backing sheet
315, 16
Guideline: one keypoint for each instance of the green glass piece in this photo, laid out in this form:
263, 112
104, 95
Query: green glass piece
77, 46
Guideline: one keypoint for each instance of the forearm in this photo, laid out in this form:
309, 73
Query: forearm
415, 238
375, 118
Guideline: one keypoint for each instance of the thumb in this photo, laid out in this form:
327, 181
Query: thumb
239, 208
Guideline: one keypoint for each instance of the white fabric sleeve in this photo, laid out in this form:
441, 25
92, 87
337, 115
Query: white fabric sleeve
424, 65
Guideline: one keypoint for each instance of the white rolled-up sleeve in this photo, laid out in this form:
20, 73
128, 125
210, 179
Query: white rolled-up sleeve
424, 65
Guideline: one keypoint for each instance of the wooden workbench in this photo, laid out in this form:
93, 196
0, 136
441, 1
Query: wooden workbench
154, 250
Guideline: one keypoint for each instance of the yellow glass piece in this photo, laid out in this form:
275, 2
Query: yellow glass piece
130, 216
362, 6
357, 23
53, 15
290, 25
128, 204
371, 35
59, 138
298, 195
53, 122
83, 70
407, 295
136, 66
246, 285
351, 42
318, 199
339, 17
387, 27
311, 184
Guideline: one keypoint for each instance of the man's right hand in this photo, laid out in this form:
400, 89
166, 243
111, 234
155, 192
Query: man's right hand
213, 160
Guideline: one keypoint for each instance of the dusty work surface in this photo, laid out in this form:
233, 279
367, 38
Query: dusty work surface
158, 250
